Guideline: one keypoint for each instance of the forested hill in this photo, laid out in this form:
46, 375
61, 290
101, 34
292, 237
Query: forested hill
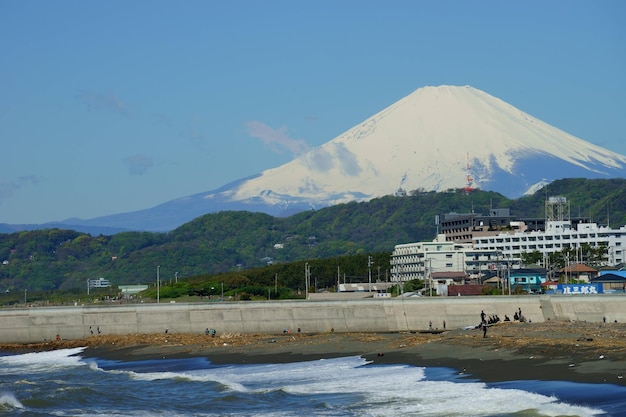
227, 241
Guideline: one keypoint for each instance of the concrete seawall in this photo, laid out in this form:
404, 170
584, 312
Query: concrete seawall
370, 315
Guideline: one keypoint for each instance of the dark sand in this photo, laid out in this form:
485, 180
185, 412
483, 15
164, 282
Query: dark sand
563, 351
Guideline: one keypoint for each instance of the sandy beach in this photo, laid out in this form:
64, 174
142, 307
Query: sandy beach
557, 350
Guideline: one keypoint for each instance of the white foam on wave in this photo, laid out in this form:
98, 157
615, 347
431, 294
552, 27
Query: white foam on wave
382, 390
198, 376
41, 361
135, 413
8, 400
444, 398
402, 389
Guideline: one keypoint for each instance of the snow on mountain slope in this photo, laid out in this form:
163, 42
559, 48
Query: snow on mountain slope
423, 142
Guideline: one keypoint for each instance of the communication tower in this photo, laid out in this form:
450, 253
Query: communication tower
557, 209
469, 181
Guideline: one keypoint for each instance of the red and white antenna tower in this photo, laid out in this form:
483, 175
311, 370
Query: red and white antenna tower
469, 181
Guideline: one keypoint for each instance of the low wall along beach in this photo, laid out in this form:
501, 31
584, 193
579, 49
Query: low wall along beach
30, 325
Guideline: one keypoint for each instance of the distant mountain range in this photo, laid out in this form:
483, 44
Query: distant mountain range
434, 139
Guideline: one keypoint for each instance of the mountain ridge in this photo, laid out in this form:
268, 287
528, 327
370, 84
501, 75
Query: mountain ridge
231, 241
434, 139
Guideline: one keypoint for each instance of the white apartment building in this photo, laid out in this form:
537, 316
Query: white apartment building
557, 236
421, 259
493, 250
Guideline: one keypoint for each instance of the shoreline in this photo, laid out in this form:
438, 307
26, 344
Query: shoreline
550, 351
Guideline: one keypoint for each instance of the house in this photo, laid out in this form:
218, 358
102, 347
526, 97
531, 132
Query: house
611, 282
527, 279
98, 283
549, 286
128, 291
619, 272
462, 290
440, 281
449, 277
578, 272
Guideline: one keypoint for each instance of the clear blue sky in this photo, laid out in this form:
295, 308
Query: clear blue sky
114, 106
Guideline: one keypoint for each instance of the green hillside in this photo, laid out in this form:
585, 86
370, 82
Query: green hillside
232, 241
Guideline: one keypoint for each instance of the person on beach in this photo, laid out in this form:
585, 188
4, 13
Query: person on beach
484, 326
482, 316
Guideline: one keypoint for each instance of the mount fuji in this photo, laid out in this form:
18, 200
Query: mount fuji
434, 139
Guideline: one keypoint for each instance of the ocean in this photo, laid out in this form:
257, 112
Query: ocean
64, 383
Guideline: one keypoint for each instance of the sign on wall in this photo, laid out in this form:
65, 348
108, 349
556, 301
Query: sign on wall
579, 289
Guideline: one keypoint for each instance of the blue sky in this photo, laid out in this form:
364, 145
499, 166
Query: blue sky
115, 106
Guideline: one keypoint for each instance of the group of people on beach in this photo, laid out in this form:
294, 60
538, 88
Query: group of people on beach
495, 319
486, 322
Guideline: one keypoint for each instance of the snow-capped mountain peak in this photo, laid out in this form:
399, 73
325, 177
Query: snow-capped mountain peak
432, 139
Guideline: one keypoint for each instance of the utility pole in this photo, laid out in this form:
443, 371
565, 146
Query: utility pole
430, 276
158, 285
369, 272
306, 281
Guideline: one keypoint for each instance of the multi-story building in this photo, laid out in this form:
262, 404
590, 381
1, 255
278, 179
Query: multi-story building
496, 243
464, 227
558, 235
421, 259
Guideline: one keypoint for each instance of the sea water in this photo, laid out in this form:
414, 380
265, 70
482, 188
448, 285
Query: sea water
63, 383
